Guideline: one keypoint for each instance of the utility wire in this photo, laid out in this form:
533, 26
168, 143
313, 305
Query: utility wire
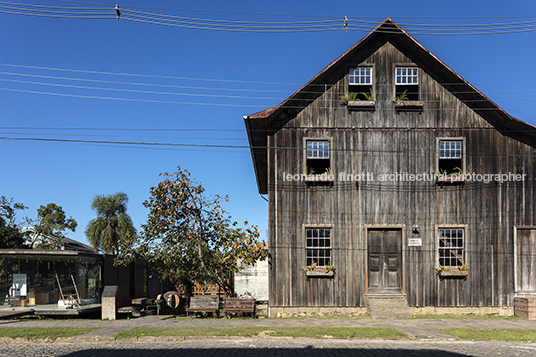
211, 104
147, 75
224, 96
266, 26
212, 79
248, 147
169, 85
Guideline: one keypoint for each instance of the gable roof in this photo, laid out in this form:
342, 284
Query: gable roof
258, 124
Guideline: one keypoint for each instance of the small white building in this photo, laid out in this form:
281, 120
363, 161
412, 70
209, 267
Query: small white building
252, 281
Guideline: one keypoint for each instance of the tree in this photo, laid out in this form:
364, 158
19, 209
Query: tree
10, 237
112, 230
189, 237
8, 211
51, 223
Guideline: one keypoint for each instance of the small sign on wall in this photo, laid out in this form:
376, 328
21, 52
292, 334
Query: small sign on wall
414, 242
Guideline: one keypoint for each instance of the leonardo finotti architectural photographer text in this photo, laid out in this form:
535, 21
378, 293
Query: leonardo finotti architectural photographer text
406, 177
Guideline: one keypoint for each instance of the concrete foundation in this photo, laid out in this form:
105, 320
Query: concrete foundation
316, 311
466, 310
357, 311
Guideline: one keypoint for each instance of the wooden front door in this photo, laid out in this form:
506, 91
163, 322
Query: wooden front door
526, 260
384, 260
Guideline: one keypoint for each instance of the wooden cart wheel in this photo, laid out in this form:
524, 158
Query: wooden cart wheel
172, 299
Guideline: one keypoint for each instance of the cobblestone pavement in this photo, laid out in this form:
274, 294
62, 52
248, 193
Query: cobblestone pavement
270, 347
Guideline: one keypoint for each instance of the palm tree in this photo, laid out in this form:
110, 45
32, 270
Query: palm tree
113, 227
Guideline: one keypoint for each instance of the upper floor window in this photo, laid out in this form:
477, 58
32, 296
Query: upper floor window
406, 83
451, 156
318, 157
451, 247
318, 246
360, 84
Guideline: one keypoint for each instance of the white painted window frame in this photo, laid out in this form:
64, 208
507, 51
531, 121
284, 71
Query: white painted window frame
462, 227
414, 76
312, 247
357, 77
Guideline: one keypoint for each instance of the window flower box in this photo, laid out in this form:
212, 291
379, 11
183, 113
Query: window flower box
453, 273
401, 104
360, 104
319, 273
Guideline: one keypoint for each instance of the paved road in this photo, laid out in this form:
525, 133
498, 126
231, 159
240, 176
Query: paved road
258, 347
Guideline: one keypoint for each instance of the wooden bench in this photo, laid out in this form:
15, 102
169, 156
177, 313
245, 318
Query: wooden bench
133, 311
204, 303
246, 305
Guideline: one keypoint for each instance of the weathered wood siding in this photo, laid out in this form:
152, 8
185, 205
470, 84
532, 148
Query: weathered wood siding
385, 141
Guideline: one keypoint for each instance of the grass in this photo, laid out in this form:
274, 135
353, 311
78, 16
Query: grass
43, 332
469, 316
492, 334
296, 332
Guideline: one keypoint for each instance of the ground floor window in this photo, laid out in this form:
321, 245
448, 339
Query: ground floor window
318, 246
451, 247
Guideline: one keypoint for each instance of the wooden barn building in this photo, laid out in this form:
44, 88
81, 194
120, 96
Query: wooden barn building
386, 166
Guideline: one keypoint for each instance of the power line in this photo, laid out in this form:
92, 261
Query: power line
147, 75
137, 91
128, 99
210, 79
215, 104
355, 24
170, 85
248, 147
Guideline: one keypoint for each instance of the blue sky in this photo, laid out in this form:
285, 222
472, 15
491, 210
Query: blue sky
211, 79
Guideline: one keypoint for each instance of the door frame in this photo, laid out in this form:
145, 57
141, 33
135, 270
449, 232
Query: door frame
516, 287
402, 228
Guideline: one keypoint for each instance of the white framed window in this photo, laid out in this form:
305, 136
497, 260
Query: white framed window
360, 76
318, 156
450, 149
360, 84
407, 83
451, 246
318, 245
317, 149
407, 75
451, 155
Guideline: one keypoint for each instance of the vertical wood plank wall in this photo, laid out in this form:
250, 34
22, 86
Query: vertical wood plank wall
384, 141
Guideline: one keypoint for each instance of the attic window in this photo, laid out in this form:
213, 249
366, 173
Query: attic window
406, 83
318, 158
451, 156
360, 84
